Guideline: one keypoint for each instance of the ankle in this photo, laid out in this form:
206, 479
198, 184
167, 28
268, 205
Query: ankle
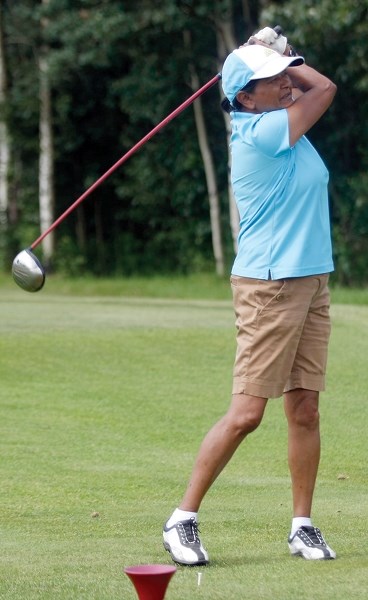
298, 522
181, 515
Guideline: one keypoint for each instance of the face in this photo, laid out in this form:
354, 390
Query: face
273, 93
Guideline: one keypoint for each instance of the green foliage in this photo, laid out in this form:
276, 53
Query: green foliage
117, 69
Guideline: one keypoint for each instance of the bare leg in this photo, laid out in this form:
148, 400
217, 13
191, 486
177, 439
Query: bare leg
243, 417
301, 409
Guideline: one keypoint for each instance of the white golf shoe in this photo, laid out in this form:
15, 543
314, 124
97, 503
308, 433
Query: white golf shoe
183, 543
309, 543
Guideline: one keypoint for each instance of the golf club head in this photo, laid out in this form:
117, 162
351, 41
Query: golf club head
28, 272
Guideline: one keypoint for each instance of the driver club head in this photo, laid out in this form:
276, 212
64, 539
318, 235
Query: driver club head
28, 272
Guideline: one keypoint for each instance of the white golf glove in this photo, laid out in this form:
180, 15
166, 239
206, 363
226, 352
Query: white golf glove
271, 38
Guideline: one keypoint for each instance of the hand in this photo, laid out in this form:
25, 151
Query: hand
276, 41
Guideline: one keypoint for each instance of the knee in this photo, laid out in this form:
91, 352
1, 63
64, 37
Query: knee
308, 418
304, 412
244, 423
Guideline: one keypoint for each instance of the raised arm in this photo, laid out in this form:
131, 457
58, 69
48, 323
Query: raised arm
317, 95
313, 92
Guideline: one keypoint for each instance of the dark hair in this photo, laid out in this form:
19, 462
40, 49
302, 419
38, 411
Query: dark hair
228, 106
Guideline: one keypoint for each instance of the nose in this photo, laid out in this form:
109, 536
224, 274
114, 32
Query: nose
284, 79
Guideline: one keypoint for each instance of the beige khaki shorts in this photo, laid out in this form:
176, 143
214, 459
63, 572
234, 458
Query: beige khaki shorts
283, 329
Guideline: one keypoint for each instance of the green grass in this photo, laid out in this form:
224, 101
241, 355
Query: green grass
194, 286
104, 401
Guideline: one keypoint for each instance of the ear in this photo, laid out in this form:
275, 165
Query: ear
246, 100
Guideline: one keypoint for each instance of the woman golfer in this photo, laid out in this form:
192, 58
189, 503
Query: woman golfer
279, 281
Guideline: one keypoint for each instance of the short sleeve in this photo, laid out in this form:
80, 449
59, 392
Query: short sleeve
270, 133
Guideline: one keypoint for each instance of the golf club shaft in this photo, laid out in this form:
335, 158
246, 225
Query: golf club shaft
138, 145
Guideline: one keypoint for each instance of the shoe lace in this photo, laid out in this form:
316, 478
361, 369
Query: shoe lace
189, 531
315, 535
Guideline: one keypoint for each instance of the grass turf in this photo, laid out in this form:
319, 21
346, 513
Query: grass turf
104, 403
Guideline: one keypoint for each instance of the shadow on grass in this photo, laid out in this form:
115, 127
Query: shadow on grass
238, 561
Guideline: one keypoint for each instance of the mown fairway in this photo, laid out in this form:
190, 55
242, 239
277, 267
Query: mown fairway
104, 401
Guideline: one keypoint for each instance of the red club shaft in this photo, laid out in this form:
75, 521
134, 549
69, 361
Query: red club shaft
134, 149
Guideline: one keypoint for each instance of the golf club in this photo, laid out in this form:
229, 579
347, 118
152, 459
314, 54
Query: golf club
27, 270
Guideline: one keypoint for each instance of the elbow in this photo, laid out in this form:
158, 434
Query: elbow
327, 92
331, 89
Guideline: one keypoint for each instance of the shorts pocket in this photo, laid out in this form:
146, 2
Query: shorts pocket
270, 292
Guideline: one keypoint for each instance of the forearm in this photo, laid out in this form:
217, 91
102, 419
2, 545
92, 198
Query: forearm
306, 78
317, 94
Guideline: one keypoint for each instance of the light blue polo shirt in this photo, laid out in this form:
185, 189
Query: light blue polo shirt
282, 198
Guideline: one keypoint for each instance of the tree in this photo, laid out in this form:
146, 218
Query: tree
209, 168
46, 161
224, 17
22, 110
115, 70
4, 139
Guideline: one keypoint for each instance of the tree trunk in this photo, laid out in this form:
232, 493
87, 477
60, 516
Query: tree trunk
4, 140
210, 172
100, 243
226, 43
46, 165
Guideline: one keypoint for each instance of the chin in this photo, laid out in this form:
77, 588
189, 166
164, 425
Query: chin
288, 103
